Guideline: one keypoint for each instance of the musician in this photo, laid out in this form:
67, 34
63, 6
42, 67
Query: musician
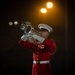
43, 49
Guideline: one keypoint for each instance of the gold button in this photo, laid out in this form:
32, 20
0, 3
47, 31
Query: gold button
37, 55
37, 58
37, 62
37, 52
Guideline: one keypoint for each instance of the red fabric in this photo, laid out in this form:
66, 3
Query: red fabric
44, 54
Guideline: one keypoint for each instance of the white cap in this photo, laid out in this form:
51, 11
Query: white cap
45, 26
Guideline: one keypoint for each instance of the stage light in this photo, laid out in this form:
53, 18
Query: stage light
43, 10
15, 22
49, 4
10, 23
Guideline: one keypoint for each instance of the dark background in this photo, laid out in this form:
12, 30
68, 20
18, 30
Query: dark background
15, 60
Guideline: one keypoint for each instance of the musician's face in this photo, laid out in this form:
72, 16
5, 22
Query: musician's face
45, 34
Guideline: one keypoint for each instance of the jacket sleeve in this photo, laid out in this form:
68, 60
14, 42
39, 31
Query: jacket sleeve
50, 46
25, 44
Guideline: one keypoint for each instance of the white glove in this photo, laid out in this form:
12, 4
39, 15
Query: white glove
39, 38
24, 37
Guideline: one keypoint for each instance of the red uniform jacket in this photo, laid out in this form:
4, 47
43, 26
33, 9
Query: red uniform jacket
43, 54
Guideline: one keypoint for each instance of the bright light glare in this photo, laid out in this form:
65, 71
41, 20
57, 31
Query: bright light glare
10, 23
49, 4
16, 22
43, 10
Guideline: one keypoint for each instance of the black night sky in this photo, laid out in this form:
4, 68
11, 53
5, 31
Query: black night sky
15, 60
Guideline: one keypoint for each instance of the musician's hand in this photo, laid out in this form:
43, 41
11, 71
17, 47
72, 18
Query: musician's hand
39, 38
41, 46
31, 40
24, 37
